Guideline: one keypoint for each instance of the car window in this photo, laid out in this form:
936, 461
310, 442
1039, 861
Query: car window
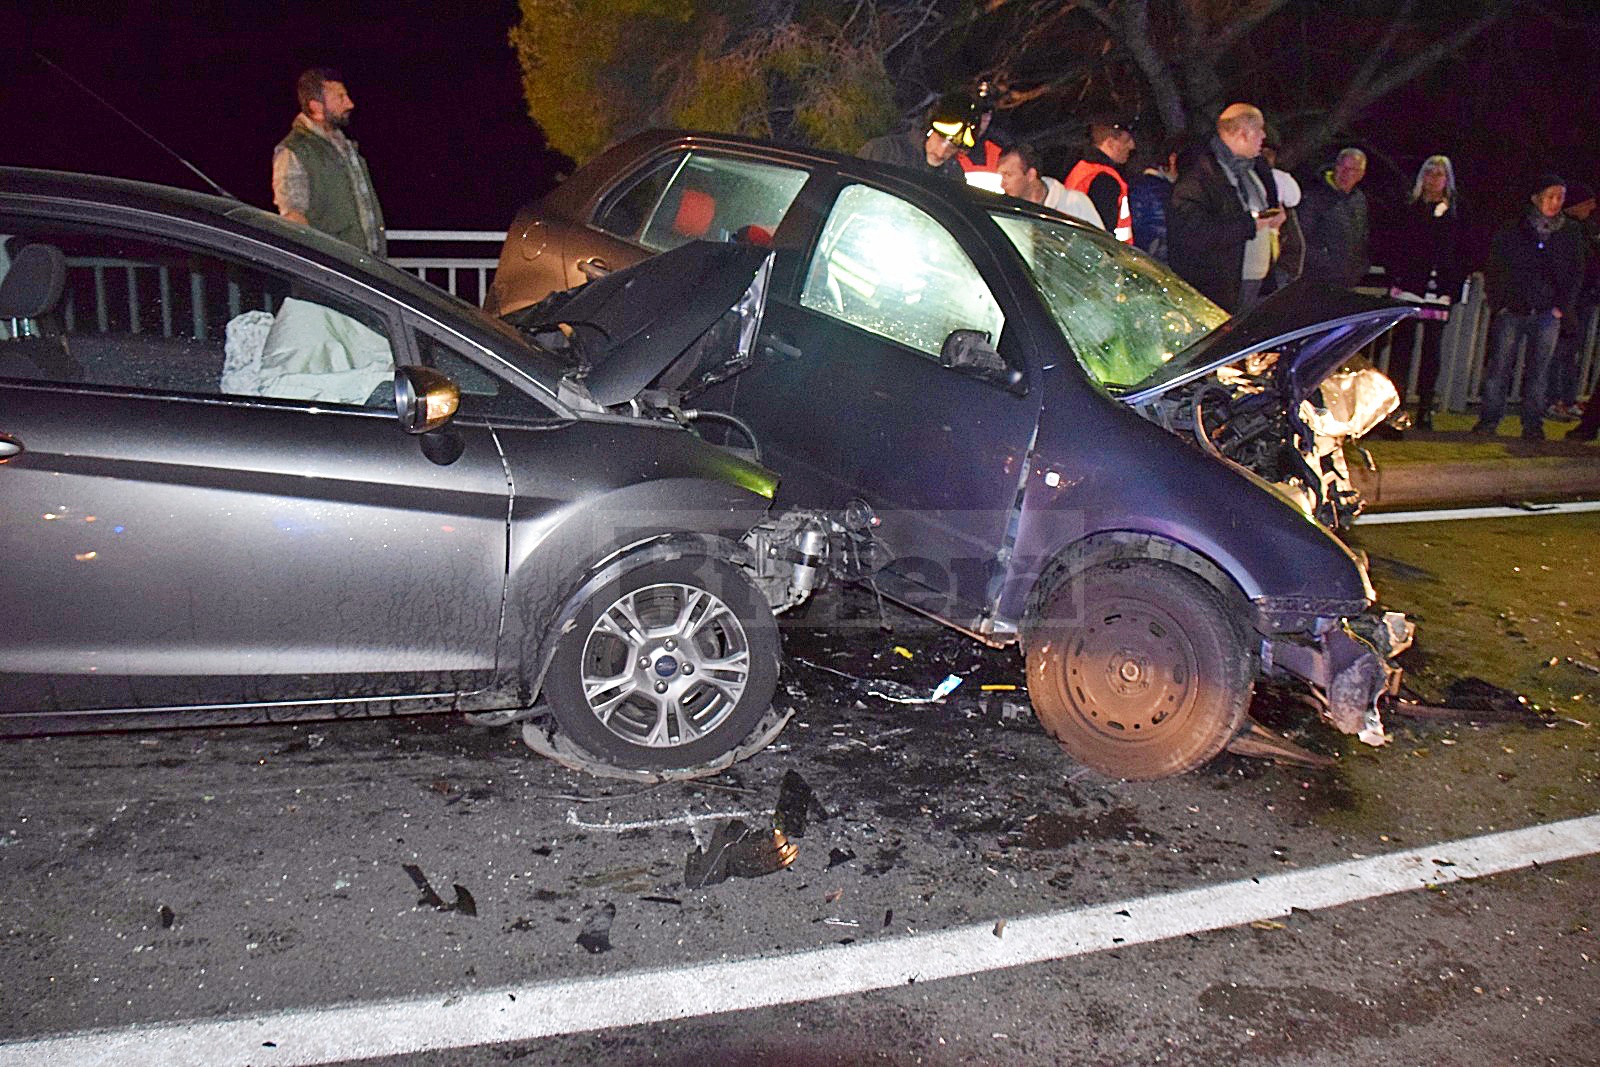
482, 392
719, 198
625, 210
143, 314
1124, 313
891, 268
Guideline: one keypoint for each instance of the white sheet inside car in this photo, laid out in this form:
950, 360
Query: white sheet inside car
309, 352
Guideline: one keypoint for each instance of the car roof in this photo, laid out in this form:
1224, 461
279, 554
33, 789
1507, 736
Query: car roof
42, 187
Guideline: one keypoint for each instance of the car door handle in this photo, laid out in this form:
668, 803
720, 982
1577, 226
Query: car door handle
9, 446
593, 267
778, 347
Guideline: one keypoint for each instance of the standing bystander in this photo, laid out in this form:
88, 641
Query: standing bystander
318, 176
1111, 143
1565, 368
1148, 197
1288, 243
1020, 177
1532, 281
1426, 272
1224, 209
1333, 217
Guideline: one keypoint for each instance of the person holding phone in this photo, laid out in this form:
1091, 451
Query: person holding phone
1224, 211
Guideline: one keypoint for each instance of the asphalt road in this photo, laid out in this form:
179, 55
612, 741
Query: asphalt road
211, 874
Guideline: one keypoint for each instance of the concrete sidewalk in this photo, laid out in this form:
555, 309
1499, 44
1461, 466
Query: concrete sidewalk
1451, 466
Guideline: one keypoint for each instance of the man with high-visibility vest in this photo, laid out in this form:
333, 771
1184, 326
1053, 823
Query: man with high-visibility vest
1097, 175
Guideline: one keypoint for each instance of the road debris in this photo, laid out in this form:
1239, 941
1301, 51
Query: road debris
595, 937
464, 904
796, 804
1472, 699
1259, 742
738, 851
688, 818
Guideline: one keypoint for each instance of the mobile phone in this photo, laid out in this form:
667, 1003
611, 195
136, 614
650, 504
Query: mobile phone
1270, 213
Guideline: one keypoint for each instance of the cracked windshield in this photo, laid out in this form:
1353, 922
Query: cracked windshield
1124, 313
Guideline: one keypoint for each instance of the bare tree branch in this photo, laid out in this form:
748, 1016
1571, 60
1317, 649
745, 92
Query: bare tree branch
1240, 24
1361, 94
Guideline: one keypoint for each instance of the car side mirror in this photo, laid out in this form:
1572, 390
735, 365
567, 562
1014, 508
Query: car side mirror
424, 399
970, 352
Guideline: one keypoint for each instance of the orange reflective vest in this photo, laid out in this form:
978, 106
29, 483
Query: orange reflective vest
1083, 174
985, 175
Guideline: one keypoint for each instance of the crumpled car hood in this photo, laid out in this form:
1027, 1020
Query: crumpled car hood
1323, 325
637, 328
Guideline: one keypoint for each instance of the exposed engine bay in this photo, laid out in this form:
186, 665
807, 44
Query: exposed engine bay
1240, 415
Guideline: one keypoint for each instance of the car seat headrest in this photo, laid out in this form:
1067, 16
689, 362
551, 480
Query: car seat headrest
33, 285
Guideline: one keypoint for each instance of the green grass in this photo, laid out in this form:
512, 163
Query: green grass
1449, 444
1515, 602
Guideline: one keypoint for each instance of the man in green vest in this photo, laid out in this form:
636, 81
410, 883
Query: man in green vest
318, 177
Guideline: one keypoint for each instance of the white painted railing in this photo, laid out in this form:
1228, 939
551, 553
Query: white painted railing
467, 277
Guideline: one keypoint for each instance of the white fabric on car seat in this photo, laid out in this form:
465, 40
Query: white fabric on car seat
310, 352
241, 353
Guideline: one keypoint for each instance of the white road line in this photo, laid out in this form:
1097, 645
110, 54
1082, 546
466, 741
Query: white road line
689, 819
521, 1013
1447, 514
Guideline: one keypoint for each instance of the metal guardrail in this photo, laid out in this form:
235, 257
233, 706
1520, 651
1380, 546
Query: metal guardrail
1464, 348
467, 277
106, 294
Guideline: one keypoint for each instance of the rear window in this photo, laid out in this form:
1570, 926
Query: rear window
706, 198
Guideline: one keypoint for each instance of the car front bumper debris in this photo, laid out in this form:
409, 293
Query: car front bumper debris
1349, 664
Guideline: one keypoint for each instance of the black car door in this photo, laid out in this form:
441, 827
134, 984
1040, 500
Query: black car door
852, 401
211, 501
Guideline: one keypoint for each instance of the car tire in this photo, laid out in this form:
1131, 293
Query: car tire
666, 671
1138, 669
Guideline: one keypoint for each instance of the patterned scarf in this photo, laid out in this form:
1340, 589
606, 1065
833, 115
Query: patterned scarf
1241, 174
1543, 225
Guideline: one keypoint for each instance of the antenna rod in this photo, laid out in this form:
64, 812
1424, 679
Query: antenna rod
113, 109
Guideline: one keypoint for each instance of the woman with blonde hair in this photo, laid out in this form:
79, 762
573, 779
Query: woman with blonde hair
1426, 272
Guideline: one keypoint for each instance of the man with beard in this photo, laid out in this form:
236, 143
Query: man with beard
318, 177
949, 129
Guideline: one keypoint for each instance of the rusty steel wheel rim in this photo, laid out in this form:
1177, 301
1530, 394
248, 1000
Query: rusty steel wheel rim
1131, 671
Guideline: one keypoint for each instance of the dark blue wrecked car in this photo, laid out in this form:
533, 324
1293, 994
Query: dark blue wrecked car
1004, 420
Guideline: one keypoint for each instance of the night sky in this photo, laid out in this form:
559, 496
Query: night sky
440, 117
439, 111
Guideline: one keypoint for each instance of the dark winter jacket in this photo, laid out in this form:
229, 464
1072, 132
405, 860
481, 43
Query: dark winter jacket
1527, 272
909, 150
1427, 246
1335, 228
1207, 227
